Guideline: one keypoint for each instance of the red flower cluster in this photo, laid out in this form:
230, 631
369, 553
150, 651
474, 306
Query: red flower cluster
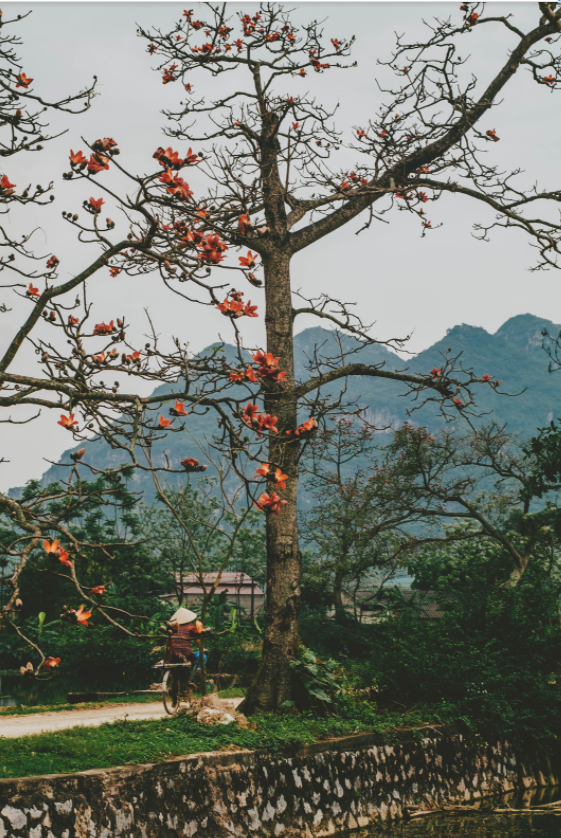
113, 271
270, 503
549, 79
234, 307
104, 328
176, 186
259, 422
213, 249
97, 163
268, 366
107, 144
171, 159
304, 430
279, 478
169, 74
57, 551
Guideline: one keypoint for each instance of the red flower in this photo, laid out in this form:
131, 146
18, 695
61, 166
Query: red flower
67, 422
250, 413
106, 144
422, 196
64, 559
268, 423
307, 428
337, 44
54, 547
5, 186
99, 590
104, 328
302, 72
97, 163
280, 479
549, 79
244, 221
81, 616
188, 87
492, 135
73, 321
249, 310
23, 80
52, 262
296, 125
249, 260
164, 423
51, 663
472, 19
486, 378
78, 159
436, 372
458, 402
264, 470
236, 377
32, 291
96, 204
192, 464
270, 503
179, 409
152, 49
250, 374
114, 271
361, 133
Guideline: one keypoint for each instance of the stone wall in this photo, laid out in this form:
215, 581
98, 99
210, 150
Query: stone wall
315, 791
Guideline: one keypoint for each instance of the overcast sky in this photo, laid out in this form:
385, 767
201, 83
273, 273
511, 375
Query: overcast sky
404, 283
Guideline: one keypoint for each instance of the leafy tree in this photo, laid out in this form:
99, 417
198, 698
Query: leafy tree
274, 188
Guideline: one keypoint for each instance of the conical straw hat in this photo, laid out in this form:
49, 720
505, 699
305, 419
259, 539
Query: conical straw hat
182, 616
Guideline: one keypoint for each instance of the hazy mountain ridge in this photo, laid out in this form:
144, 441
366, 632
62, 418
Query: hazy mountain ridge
513, 354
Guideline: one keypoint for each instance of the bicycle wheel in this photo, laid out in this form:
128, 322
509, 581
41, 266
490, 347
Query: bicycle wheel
170, 692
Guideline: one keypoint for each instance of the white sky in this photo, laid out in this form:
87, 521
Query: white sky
404, 283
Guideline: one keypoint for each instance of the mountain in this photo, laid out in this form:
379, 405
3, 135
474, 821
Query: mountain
514, 355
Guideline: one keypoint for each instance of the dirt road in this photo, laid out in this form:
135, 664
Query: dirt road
14, 726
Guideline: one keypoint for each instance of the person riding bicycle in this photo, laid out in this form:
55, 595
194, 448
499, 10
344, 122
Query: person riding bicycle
185, 630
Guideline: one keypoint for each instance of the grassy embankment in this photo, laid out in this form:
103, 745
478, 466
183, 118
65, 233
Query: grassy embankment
126, 742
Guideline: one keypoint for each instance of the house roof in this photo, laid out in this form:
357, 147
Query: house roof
237, 584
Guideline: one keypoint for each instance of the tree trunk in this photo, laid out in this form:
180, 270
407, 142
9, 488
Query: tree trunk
340, 612
273, 683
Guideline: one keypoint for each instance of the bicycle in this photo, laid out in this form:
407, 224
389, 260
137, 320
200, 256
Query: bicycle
177, 686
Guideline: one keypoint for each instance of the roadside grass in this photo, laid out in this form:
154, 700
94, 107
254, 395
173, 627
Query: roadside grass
130, 742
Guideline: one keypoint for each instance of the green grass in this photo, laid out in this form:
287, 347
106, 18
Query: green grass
126, 742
